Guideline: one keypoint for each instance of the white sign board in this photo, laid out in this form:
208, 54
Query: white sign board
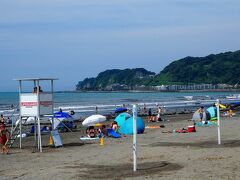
46, 104
56, 138
29, 104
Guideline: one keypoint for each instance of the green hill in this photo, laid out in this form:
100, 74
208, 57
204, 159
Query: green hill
213, 69
223, 68
127, 77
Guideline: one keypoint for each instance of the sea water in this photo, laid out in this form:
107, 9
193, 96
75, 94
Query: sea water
87, 103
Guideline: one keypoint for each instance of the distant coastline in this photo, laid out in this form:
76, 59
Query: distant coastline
148, 91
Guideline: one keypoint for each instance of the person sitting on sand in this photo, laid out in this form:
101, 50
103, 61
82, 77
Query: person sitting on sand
114, 126
230, 112
4, 137
103, 131
91, 133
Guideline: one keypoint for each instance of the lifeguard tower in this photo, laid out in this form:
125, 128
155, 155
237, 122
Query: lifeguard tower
37, 104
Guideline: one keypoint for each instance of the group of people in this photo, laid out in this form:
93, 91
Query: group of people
93, 132
37, 89
4, 135
102, 131
152, 117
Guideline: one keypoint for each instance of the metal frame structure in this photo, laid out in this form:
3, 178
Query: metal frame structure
37, 115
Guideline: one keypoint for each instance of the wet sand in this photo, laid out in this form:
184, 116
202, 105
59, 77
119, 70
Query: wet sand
160, 155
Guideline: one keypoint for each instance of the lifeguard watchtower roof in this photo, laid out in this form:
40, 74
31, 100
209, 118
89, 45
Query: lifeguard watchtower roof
34, 79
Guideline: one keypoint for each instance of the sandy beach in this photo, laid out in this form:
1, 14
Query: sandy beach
160, 155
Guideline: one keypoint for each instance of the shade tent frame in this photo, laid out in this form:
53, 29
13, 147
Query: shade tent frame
38, 114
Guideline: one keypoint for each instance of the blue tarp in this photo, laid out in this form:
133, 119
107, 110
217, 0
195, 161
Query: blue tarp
127, 126
113, 134
120, 110
62, 115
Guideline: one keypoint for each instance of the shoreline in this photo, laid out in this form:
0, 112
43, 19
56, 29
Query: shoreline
150, 91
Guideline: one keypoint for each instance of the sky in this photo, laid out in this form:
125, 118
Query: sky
75, 39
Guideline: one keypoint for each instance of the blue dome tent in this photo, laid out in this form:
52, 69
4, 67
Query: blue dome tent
127, 126
213, 112
121, 118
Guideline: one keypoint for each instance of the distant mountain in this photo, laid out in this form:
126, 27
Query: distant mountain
116, 79
213, 69
223, 68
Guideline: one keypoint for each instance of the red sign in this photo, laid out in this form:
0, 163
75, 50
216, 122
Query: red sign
29, 103
46, 103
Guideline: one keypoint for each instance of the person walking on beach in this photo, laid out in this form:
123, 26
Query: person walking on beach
150, 115
159, 112
201, 111
4, 140
4, 137
96, 110
144, 109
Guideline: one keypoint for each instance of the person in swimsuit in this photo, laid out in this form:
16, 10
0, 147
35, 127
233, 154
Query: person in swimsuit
4, 137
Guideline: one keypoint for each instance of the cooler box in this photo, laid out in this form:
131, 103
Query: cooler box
191, 129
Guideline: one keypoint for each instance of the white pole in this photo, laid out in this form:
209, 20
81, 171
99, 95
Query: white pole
20, 117
35, 131
134, 138
38, 118
218, 123
39, 136
52, 106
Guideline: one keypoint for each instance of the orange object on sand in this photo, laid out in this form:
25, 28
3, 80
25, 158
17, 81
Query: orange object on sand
152, 127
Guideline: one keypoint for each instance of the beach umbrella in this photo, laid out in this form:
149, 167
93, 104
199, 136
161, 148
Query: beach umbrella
121, 118
93, 119
120, 110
